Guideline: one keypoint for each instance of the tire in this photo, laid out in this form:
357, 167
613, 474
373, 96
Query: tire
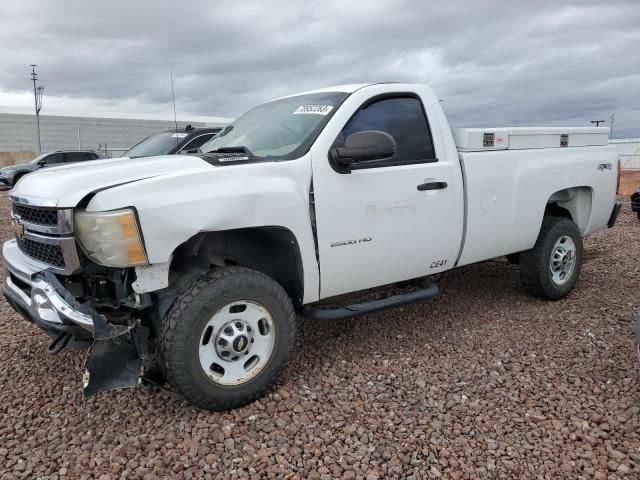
193, 331
553, 278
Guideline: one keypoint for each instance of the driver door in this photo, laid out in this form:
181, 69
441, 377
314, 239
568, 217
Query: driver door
374, 225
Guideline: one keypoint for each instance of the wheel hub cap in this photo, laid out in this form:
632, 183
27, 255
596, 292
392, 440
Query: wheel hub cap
236, 343
234, 340
562, 262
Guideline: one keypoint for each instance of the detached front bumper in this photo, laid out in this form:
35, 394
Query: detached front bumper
40, 298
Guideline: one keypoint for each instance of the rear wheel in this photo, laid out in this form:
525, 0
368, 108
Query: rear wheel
227, 338
551, 268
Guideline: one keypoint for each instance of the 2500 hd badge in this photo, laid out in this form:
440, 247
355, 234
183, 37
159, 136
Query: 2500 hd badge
351, 242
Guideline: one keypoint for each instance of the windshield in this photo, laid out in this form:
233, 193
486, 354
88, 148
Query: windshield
282, 129
157, 144
38, 158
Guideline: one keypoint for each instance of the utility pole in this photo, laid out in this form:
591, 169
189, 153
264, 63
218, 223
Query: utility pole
613, 118
37, 98
598, 122
175, 118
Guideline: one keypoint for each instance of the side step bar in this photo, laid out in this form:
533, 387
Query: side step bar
356, 309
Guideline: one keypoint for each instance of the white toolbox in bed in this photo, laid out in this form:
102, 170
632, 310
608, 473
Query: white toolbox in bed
519, 138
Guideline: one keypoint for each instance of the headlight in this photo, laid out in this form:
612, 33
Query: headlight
111, 238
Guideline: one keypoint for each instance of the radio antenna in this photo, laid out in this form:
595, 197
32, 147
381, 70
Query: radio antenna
175, 118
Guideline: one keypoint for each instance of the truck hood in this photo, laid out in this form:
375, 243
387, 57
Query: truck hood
67, 185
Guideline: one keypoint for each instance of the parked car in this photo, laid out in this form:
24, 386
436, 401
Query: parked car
171, 142
199, 263
9, 176
635, 202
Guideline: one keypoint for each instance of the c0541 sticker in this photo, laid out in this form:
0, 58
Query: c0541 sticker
315, 109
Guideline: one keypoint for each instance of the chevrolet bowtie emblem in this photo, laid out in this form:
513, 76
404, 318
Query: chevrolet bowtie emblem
18, 228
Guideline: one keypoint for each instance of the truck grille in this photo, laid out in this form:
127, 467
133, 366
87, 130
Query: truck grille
43, 252
45, 234
38, 216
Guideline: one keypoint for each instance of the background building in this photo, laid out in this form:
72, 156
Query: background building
111, 135
628, 152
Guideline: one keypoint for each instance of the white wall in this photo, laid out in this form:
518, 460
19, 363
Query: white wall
628, 152
18, 132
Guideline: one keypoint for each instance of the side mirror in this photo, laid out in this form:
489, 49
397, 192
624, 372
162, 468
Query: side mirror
189, 150
42, 163
364, 146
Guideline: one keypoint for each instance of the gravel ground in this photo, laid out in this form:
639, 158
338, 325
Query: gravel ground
482, 382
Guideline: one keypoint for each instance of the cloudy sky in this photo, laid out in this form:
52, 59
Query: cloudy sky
492, 62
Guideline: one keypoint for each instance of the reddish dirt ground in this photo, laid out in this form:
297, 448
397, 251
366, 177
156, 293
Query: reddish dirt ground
629, 182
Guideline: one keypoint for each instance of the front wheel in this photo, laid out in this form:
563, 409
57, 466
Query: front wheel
551, 268
228, 338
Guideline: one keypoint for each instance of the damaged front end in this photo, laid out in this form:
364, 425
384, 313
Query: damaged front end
116, 357
94, 309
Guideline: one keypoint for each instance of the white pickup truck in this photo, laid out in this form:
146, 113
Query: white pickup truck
192, 268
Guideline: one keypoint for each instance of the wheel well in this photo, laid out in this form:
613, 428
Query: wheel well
555, 210
273, 251
573, 203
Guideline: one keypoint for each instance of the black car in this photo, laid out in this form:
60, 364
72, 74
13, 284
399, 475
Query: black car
10, 175
635, 202
171, 142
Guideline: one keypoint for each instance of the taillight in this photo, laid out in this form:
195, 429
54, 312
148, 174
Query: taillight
618, 181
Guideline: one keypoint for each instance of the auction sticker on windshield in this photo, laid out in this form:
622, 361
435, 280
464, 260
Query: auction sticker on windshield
316, 109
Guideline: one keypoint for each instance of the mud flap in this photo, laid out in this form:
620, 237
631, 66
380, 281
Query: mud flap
115, 360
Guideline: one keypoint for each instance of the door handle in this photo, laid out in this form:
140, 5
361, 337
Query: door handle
432, 186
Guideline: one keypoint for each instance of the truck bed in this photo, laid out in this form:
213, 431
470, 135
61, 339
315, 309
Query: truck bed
507, 191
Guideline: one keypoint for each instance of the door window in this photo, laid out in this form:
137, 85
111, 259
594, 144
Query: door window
72, 157
401, 117
54, 159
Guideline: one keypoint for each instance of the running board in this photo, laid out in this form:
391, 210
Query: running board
356, 309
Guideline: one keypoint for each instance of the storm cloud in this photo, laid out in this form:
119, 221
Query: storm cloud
492, 63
